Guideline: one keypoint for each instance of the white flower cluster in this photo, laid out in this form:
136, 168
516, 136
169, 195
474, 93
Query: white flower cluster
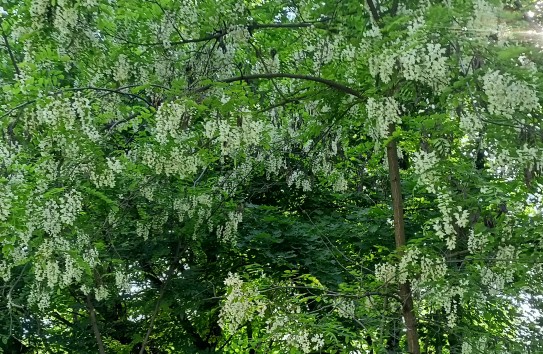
122, 282
101, 293
8, 153
505, 256
243, 302
91, 257
326, 53
382, 64
169, 117
148, 191
426, 64
232, 138
444, 226
429, 269
48, 272
82, 105
447, 297
253, 131
484, 20
385, 272
72, 272
237, 34
6, 200
527, 64
410, 257
530, 156
493, 279
471, 124
229, 183
415, 25
288, 333
432, 269
476, 242
176, 161
39, 297
507, 95
106, 178
345, 308
349, 53
305, 341
272, 163
142, 229
423, 164
55, 214
55, 263
122, 69
228, 231
55, 112
187, 207
299, 180
164, 29
267, 65
65, 19
5, 270
340, 182
38, 11
381, 114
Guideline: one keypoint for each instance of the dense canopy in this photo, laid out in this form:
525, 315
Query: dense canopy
271, 176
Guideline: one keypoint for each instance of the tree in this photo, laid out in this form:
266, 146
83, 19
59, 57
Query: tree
270, 176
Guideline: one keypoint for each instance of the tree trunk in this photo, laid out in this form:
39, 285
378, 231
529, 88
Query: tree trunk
399, 233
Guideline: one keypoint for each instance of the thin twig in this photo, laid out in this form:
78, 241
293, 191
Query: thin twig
160, 297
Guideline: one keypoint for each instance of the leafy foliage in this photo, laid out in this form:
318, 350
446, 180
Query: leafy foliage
213, 176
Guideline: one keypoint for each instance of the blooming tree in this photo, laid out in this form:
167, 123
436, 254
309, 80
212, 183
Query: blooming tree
270, 176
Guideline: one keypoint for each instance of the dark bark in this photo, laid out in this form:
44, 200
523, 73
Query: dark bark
94, 323
399, 233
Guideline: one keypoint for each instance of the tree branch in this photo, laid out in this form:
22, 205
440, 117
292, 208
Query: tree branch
59, 317
373, 10
10, 52
224, 32
94, 324
332, 84
160, 297
117, 91
394, 7
88, 88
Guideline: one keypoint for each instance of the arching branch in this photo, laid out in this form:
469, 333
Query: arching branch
224, 32
330, 83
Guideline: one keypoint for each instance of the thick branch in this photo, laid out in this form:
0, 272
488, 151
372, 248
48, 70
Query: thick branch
332, 84
10, 52
94, 324
373, 10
